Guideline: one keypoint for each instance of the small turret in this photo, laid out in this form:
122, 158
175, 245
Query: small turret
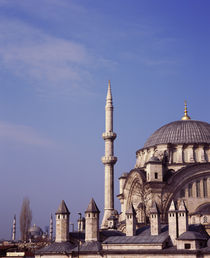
130, 221
81, 223
112, 222
154, 170
172, 223
182, 218
62, 223
92, 222
155, 226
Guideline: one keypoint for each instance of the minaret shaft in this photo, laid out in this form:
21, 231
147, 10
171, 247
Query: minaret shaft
108, 160
51, 228
14, 229
109, 187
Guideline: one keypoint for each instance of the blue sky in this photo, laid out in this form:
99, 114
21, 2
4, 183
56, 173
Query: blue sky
56, 57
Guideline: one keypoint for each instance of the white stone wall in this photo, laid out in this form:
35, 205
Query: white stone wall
177, 154
91, 226
131, 246
155, 224
62, 227
151, 169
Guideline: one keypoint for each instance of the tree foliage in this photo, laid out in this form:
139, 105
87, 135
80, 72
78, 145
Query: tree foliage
25, 219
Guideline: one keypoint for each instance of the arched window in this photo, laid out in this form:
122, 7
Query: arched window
182, 193
205, 189
198, 191
190, 190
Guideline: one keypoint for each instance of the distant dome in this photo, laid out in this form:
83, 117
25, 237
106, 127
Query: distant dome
35, 231
180, 132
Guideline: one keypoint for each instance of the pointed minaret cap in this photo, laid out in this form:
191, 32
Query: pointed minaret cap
172, 206
131, 210
62, 208
92, 207
182, 207
109, 92
154, 208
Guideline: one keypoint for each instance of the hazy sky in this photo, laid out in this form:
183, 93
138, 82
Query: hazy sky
56, 57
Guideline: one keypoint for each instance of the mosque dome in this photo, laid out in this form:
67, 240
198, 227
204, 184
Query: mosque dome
35, 231
180, 132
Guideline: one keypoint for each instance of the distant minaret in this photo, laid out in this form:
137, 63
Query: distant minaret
109, 159
14, 229
51, 228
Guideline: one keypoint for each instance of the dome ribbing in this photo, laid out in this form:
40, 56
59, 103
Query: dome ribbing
180, 132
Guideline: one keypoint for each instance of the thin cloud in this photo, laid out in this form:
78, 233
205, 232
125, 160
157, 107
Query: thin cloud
46, 60
22, 134
158, 62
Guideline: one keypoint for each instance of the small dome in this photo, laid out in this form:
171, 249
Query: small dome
35, 231
191, 235
180, 132
204, 209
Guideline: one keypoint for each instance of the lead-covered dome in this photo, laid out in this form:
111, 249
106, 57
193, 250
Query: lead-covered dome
180, 132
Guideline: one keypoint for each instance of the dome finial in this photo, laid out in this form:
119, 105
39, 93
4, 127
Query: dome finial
185, 117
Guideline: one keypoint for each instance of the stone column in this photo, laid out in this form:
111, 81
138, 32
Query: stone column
179, 156
201, 154
190, 153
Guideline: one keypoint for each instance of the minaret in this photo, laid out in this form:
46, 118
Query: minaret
14, 229
109, 159
51, 228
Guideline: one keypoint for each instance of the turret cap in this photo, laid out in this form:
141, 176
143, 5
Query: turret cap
131, 210
182, 207
92, 207
154, 209
172, 206
62, 209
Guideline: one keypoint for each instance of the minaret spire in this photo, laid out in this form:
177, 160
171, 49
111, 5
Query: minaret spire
109, 92
109, 159
14, 229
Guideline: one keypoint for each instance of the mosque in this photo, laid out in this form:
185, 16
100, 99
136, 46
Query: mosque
165, 199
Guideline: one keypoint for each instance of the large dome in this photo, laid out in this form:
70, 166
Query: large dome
180, 132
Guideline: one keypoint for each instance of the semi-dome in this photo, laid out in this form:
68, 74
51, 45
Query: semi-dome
180, 132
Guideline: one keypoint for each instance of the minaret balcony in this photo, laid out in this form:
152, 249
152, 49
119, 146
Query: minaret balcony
109, 135
109, 160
